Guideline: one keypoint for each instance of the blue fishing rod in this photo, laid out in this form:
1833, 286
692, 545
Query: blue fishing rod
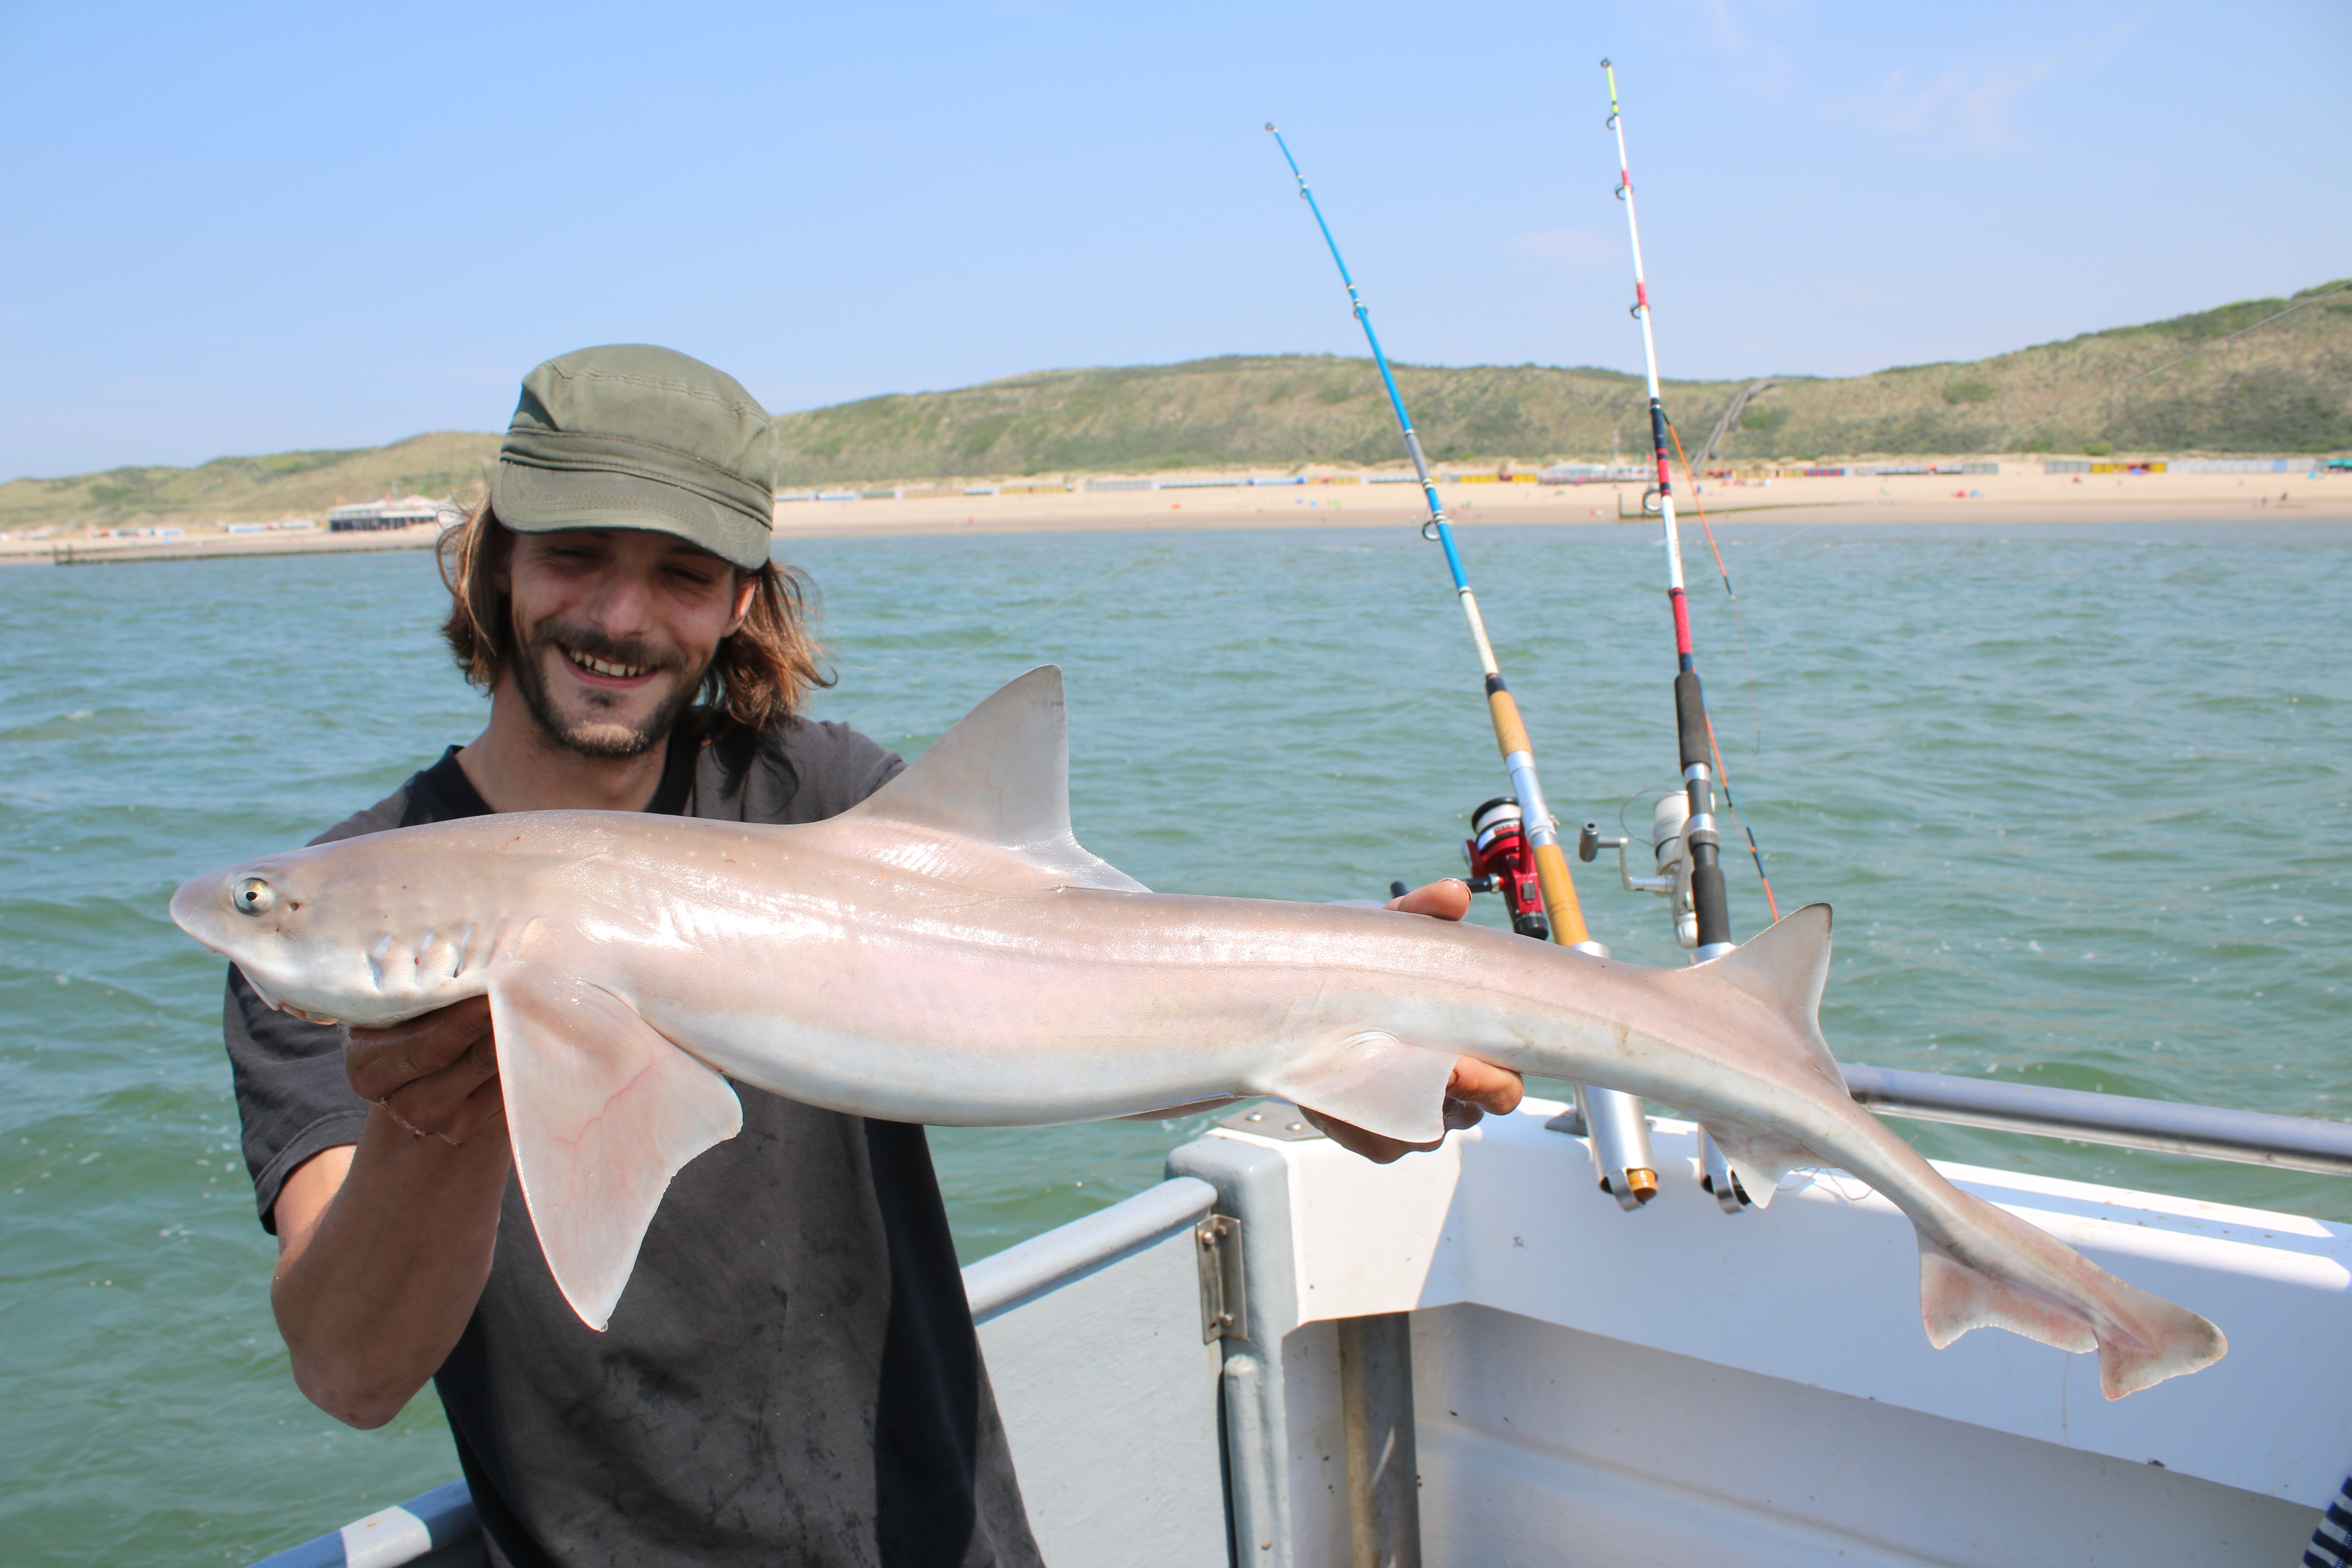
1620, 1133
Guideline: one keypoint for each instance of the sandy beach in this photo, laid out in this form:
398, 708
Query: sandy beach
2019, 498
201, 544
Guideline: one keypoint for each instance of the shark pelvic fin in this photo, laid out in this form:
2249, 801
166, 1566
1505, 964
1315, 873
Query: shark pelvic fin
1757, 1159
601, 1113
1002, 775
1375, 1081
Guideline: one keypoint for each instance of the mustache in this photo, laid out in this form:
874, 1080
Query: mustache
580, 640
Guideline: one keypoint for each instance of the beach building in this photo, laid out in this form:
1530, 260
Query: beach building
369, 517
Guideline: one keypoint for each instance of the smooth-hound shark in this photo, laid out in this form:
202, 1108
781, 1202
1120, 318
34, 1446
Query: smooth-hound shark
946, 953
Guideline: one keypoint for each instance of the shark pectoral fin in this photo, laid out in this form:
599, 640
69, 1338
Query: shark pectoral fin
1375, 1081
1001, 776
601, 1112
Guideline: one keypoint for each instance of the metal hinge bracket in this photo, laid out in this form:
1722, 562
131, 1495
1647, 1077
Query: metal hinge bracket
1224, 1310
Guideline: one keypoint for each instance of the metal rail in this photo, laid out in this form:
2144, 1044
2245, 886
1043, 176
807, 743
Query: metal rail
1043, 1262
2121, 1122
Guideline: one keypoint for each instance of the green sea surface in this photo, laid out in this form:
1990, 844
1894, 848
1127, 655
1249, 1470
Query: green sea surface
2078, 794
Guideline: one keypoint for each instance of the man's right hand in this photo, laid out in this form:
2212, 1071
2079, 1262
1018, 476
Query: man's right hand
383, 1246
437, 1074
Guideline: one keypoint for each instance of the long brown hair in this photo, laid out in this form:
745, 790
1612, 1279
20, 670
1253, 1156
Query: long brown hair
761, 674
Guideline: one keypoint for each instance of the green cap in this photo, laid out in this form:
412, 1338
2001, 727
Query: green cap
631, 436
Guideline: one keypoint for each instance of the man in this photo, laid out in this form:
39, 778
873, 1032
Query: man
791, 1375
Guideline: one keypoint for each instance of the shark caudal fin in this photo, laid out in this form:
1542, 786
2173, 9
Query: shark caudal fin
1785, 966
2073, 1304
1982, 1266
601, 1112
1001, 777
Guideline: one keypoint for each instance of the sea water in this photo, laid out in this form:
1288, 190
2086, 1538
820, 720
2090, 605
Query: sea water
2079, 795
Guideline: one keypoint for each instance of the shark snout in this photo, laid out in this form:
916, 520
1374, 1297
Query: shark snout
198, 908
229, 909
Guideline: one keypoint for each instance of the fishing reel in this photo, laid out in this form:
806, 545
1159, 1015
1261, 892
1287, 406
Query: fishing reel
1672, 880
1503, 861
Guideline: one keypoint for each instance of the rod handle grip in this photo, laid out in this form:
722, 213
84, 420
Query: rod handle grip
1559, 897
1551, 867
1690, 720
1510, 731
1710, 899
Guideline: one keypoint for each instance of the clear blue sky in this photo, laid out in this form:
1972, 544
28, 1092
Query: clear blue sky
245, 228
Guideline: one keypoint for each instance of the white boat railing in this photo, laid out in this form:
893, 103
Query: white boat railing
2156, 1126
1145, 1376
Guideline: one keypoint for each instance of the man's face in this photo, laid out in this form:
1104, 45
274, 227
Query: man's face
613, 630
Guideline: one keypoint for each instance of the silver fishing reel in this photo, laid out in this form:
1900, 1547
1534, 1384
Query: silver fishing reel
1672, 879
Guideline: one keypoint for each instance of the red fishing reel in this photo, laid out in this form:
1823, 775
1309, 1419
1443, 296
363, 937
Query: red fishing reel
1503, 861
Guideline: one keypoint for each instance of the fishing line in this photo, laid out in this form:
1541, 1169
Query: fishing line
1996, 443
1792, 534
1566, 917
1747, 660
1889, 152
1732, 801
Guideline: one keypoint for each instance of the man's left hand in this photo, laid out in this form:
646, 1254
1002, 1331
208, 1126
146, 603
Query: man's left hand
1475, 1086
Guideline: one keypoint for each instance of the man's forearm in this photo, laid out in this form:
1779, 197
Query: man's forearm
372, 1290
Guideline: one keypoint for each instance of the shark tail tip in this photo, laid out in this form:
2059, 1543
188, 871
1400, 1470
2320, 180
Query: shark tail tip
2184, 1342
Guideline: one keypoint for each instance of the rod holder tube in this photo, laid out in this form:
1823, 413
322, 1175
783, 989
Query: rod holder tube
1383, 1469
1715, 1176
1620, 1137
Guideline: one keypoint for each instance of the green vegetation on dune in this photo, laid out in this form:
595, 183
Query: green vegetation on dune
1277, 411
2225, 380
284, 484
2285, 386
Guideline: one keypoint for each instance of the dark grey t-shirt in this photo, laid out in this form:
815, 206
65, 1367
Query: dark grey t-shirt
792, 1374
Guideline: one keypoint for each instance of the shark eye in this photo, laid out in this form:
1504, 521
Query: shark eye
253, 897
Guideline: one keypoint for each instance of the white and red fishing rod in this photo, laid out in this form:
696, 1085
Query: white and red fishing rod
1700, 837
1701, 843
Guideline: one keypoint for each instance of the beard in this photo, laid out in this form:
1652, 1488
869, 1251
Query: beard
601, 731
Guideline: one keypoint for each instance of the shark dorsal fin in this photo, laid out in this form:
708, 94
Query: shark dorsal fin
1786, 966
1002, 776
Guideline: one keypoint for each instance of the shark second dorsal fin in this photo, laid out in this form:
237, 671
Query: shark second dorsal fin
1002, 776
